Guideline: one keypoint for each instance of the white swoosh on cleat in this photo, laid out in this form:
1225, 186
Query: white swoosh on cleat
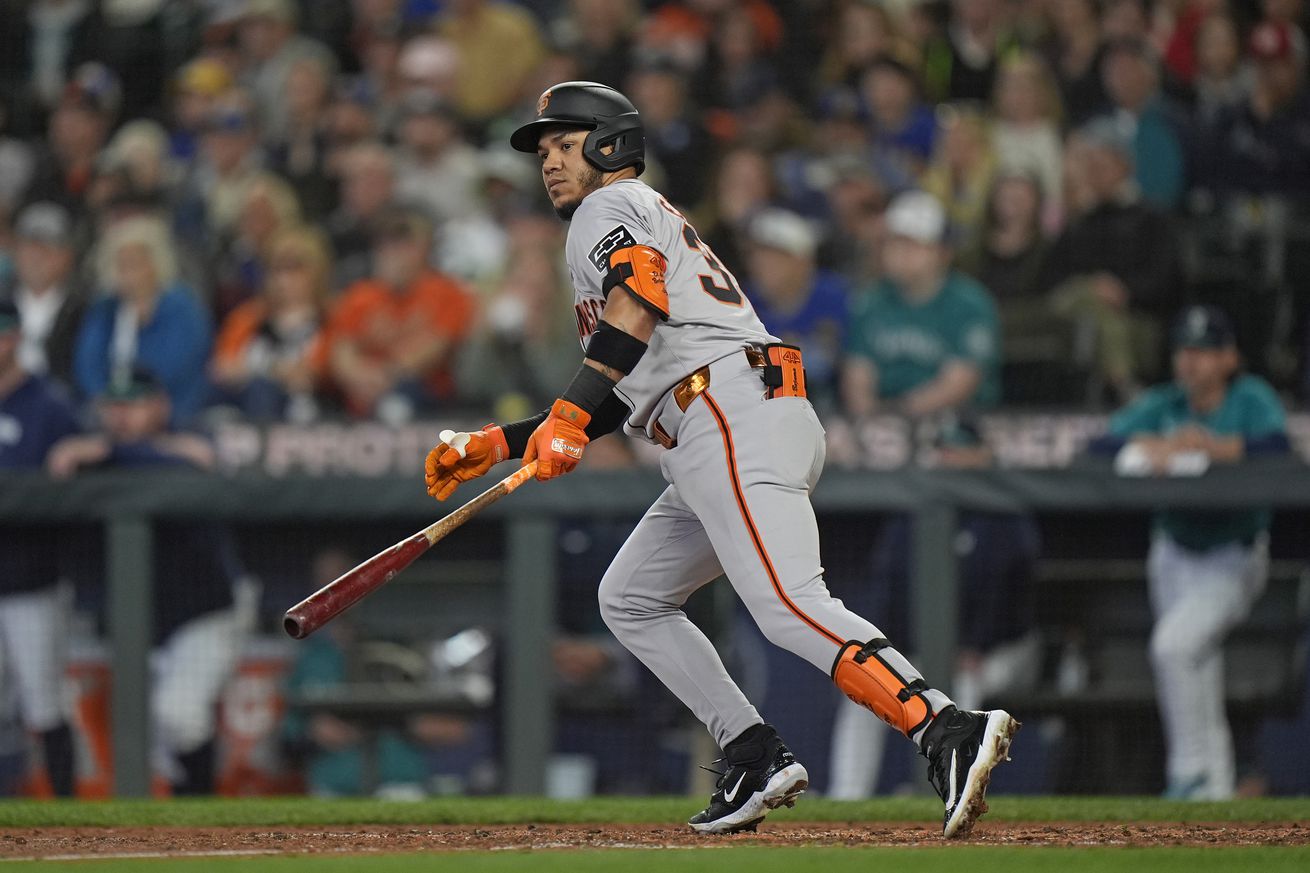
728, 796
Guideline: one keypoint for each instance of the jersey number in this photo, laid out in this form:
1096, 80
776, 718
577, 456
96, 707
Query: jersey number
727, 293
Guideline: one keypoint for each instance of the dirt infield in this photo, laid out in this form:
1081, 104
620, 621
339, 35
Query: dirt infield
109, 842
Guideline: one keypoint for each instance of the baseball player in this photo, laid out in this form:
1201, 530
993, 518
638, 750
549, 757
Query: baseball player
675, 353
1205, 569
33, 608
197, 625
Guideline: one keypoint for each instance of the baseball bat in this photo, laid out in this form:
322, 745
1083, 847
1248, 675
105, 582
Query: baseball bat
353, 586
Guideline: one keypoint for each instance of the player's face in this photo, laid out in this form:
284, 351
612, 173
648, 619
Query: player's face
128, 421
911, 263
567, 175
1202, 369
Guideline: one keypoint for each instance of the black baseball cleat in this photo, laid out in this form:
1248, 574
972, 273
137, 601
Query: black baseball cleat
962, 748
761, 775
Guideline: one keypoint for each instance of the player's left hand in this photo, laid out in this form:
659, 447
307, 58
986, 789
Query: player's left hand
461, 457
557, 443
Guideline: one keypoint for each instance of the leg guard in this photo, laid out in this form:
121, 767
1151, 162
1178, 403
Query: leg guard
867, 677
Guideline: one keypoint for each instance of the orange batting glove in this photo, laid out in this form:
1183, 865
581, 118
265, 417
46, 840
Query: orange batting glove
557, 443
462, 456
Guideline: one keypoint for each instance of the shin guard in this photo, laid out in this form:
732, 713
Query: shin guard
871, 680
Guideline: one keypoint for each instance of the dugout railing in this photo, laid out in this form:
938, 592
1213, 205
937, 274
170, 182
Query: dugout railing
128, 505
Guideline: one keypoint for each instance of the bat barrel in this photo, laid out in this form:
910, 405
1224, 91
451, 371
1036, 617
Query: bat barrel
335, 598
294, 624
339, 595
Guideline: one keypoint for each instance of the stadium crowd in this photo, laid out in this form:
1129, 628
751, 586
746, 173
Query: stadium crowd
282, 211
288, 211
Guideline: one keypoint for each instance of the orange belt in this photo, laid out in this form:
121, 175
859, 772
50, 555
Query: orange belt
693, 386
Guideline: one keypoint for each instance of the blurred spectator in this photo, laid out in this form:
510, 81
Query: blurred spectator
681, 29
475, 247
743, 185
46, 290
239, 261
856, 201
196, 88
33, 608
1008, 256
79, 126
264, 357
1074, 55
1205, 569
17, 163
368, 184
231, 158
1132, 81
436, 168
391, 339
147, 320
1223, 79
352, 119
999, 650
300, 153
863, 31
1116, 266
797, 302
962, 169
137, 40
737, 66
491, 78
197, 629
40, 45
962, 64
526, 344
1258, 147
923, 339
601, 32
135, 167
427, 64
903, 127
1127, 19
270, 48
380, 57
674, 136
1026, 129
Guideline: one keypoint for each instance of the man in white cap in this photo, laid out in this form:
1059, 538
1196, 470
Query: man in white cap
924, 338
45, 290
797, 302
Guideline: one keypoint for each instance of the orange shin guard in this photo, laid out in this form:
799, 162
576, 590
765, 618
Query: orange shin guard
866, 678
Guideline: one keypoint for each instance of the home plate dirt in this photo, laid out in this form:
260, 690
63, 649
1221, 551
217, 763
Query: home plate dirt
165, 841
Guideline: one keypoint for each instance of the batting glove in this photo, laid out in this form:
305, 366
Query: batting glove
462, 456
557, 443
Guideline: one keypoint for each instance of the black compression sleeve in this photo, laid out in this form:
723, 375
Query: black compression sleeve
588, 389
615, 348
517, 433
608, 417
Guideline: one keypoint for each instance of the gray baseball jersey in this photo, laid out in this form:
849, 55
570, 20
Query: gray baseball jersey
739, 476
708, 316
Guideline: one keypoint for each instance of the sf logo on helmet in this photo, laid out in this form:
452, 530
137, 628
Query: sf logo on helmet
542, 102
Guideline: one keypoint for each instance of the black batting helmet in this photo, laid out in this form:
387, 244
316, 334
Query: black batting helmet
611, 118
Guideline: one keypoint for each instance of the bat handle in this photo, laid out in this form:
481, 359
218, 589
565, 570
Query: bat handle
519, 476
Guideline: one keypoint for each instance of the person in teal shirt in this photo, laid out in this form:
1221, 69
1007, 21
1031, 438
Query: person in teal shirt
1205, 569
925, 338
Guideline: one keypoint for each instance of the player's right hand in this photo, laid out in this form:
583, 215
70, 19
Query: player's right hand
461, 456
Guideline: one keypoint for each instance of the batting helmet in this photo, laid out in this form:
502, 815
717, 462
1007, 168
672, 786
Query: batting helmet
611, 118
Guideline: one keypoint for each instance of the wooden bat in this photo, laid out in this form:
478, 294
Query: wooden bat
353, 586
